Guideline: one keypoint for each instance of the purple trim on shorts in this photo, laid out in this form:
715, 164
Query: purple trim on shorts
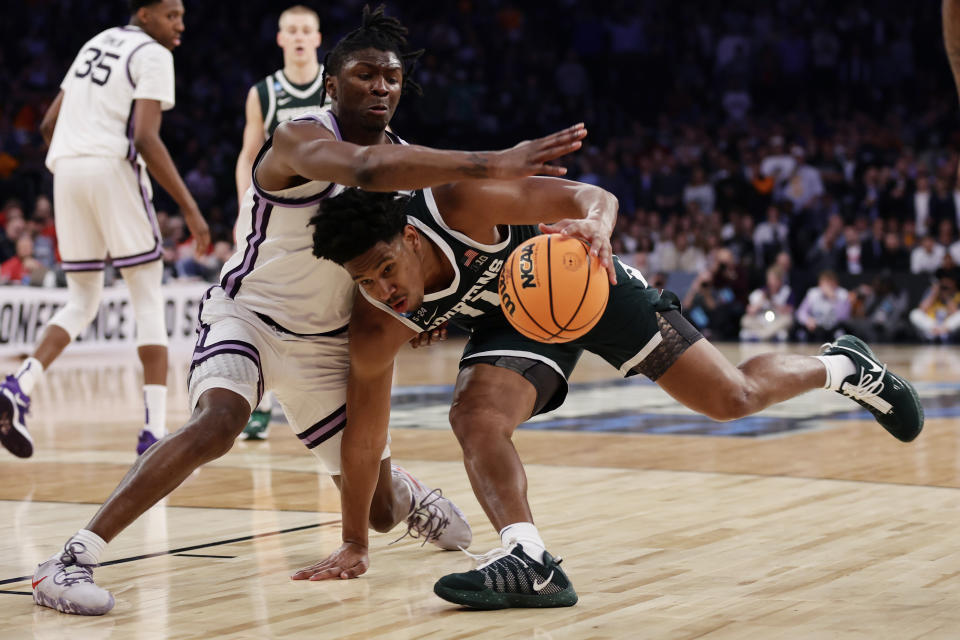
261, 218
130, 57
203, 328
325, 429
237, 347
83, 265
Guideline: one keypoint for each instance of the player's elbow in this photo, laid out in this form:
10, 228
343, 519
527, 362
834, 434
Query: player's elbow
143, 141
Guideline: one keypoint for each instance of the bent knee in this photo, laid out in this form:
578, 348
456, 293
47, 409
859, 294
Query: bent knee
214, 429
732, 404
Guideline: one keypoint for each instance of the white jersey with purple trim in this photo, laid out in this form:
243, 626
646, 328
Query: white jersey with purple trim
114, 68
274, 272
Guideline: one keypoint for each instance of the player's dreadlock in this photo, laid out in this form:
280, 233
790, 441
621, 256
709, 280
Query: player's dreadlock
352, 222
376, 31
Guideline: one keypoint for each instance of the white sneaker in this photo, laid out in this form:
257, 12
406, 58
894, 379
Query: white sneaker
64, 584
432, 517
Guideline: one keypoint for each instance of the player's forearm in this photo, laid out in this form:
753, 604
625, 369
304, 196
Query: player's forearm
364, 438
401, 167
161, 167
598, 204
950, 10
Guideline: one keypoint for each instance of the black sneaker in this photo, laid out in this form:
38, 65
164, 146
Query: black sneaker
506, 578
892, 400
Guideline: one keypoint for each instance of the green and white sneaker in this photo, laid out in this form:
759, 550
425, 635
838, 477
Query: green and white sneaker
257, 426
508, 577
892, 400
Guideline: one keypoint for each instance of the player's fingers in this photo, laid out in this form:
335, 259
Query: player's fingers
326, 574
550, 170
306, 572
353, 572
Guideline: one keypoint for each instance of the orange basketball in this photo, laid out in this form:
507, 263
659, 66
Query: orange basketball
552, 289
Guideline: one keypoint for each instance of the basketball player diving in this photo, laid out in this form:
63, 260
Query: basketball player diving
278, 317
434, 257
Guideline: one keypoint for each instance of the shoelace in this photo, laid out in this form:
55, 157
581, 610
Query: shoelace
867, 387
482, 560
22, 400
73, 572
427, 520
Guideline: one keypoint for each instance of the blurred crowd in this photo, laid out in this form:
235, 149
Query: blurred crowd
764, 154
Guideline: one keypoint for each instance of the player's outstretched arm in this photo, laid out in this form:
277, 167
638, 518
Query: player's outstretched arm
307, 152
375, 339
147, 115
252, 141
570, 208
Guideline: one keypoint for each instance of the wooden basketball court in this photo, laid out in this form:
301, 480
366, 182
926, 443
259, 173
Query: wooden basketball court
808, 521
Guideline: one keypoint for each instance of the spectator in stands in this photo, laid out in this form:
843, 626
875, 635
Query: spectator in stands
852, 258
878, 311
22, 268
714, 302
937, 318
871, 247
769, 313
927, 257
770, 236
921, 204
12, 230
699, 191
895, 256
824, 310
41, 227
803, 186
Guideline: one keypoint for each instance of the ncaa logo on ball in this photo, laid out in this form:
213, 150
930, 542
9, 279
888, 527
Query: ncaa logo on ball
527, 277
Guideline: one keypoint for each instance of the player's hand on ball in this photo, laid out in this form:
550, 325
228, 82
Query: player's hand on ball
427, 338
349, 561
594, 233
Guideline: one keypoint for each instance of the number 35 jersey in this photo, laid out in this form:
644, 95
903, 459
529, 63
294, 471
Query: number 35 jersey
114, 68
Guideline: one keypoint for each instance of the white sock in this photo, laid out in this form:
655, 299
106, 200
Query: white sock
402, 491
155, 403
527, 535
94, 546
29, 374
838, 368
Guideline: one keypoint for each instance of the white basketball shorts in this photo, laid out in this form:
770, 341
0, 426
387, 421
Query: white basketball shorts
239, 351
103, 208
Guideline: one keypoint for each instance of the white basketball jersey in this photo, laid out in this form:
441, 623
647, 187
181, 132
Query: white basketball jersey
274, 272
114, 68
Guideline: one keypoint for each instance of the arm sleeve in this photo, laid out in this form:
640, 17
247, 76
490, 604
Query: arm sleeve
151, 69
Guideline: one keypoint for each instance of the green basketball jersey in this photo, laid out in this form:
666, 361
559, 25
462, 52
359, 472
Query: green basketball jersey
281, 100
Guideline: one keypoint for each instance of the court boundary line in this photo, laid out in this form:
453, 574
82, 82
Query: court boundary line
205, 545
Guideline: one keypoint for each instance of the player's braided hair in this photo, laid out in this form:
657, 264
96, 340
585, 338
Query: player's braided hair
376, 31
352, 222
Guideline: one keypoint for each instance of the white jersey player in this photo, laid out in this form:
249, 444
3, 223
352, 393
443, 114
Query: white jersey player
103, 131
292, 91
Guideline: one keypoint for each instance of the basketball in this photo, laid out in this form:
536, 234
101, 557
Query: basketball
552, 289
